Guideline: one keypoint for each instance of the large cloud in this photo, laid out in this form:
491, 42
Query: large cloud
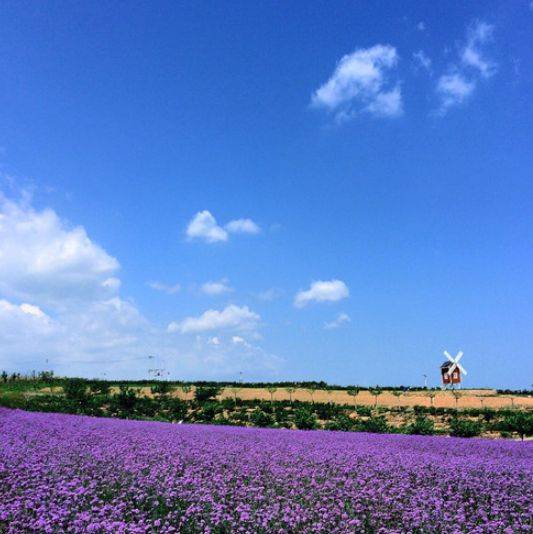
43, 259
362, 82
60, 309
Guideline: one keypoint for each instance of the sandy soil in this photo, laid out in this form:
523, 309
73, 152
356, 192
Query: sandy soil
444, 399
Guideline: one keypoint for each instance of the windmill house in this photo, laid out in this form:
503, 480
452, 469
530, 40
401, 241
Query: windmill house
450, 378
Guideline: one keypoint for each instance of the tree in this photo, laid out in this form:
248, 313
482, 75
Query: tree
126, 399
75, 390
305, 419
261, 419
311, 390
465, 428
422, 426
432, 394
341, 422
4, 376
290, 390
397, 393
161, 388
353, 391
176, 408
377, 425
206, 393
235, 389
519, 422
272, 390
376, 392
456, 395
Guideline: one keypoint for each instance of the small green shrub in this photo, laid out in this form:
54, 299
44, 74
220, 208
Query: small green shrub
304, 419
422, 426
465, 428
259, 418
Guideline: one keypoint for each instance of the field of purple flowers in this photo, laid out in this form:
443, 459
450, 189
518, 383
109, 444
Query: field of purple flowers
65, 473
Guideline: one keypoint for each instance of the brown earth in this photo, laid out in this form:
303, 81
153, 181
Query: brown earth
466, 398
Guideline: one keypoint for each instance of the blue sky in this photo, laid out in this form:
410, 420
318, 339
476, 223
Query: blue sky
308, 191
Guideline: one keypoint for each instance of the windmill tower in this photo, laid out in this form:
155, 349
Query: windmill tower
451, 369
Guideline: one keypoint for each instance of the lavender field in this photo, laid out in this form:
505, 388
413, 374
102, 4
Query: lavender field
64, 473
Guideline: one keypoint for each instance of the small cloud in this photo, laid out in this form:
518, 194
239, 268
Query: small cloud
169, 289
30, 309
230, 318
243, 226
322, 291
421, 27
112, 283
213, 341
458, 84
422, 60
341, 319
216, 288
203, 226
270, 294
361, 83
453, 89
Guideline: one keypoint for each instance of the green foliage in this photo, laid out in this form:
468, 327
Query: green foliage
125, 400
422, 426
465, 428
206, 393
260, 418
161, 388
341, 422
4, 376
304, 419
519, 422
376, 424
75, 390
363, 411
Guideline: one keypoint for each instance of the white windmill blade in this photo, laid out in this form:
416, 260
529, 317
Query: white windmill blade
459, 356
462, 369
451, 369
447, 354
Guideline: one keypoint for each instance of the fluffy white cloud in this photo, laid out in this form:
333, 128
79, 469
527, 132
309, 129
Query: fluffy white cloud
60, 309
362, 82
341, 319
45, 260
459, 82
230, 318
165, 288
216, 288
204, 227
322, 291
243, 226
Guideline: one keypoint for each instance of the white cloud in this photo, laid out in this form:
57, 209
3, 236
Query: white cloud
454, 89
458, 84
204, 226
216, 288
165, 288
243, 226
422, 60
421, 26
472, 54
230, 318
341, 319
60, 309
322, 291
361, 82
45, 260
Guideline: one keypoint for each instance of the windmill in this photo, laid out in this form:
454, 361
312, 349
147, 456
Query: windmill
451, 370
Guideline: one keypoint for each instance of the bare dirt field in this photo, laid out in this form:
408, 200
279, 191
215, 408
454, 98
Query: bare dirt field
465, 398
